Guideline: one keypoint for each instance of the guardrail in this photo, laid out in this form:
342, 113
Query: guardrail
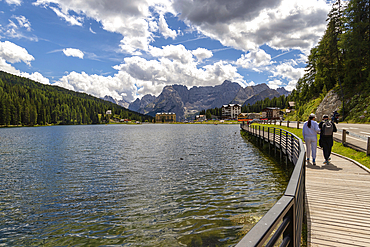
344, 132
284, 220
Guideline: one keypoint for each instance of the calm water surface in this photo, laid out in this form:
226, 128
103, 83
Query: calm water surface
132, 185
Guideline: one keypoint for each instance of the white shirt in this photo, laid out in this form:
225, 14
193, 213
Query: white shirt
310, 132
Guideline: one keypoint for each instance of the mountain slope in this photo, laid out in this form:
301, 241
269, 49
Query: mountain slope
188, 102
26, 102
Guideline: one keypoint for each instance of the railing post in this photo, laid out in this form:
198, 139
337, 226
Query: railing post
286, 148
297, 124
274, 141
281, 122
368, 146
344, 137
268, 138
287, 123
281, 147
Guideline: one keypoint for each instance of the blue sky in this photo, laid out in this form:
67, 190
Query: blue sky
127, 49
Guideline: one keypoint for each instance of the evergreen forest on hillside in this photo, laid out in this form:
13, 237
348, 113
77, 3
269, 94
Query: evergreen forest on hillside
25, 102
340, 62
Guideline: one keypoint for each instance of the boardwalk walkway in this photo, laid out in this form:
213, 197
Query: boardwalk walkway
338, 203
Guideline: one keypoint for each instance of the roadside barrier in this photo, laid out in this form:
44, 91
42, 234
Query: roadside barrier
285, 219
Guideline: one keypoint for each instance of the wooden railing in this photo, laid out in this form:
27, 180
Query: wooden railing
283, 222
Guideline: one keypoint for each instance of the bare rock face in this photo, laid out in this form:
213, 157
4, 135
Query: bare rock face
330, 104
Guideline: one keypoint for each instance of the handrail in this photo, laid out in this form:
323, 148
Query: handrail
285, 218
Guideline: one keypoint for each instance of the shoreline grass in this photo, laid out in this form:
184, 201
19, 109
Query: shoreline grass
338, 147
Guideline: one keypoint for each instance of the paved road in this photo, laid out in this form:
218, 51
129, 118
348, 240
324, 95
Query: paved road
357, 137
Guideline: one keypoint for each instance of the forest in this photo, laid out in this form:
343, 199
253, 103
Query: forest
340, 61
24, 102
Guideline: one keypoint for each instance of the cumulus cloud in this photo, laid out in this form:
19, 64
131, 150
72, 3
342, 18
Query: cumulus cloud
173, 52
274, 84
117, 86
254, 59
36, 76
138, 76
71, 52
165, 30
287, 70
248, 24
129, 18
245, 25
202, 53
14, 53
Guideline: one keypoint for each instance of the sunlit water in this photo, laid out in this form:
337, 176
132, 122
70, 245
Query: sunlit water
132, 185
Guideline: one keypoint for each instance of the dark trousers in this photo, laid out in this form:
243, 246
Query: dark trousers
327, 144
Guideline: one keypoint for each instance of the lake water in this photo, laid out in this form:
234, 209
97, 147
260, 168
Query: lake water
132, 185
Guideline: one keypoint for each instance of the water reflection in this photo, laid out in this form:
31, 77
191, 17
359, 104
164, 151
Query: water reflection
137, 185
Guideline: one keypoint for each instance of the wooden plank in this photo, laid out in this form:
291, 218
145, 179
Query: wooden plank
338, 203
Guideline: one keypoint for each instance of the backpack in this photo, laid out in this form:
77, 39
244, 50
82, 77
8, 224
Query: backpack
327, 128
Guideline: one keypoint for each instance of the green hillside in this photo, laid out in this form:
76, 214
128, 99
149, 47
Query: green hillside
341, 61
26, 102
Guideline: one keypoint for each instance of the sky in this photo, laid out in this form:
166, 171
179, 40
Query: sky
127, 49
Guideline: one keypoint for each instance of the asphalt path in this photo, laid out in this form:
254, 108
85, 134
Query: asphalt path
356, 137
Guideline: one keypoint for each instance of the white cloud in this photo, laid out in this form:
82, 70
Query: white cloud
100, 86
242, 24
248, 24
16, 2
138, 76
202, 53
10, 52
254, 59
173, 52
274, 84
73, 20
288, 71
165, 30
71, 52
23, 22
13, 30
14, 53
36, 76
92, 31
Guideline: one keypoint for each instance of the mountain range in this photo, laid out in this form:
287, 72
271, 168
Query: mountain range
188, 102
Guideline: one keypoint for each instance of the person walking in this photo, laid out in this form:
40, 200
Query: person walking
310, 131
327, 128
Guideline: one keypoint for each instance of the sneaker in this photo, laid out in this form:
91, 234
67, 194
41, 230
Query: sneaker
313, 162
308, 159
329, 158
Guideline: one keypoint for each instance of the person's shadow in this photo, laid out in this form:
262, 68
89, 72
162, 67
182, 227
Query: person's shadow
329, 166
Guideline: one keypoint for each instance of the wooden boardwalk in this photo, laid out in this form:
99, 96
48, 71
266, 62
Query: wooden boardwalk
337, 203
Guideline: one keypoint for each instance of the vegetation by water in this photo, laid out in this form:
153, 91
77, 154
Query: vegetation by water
338, 148
25, 102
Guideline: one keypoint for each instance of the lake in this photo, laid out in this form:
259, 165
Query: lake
132, 185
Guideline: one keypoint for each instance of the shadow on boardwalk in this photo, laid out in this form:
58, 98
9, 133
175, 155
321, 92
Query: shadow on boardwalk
337, 202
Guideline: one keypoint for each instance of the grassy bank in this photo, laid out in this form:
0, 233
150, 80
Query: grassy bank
338, 148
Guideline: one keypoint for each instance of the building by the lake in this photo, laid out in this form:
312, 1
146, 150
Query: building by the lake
231, 111
165, 117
